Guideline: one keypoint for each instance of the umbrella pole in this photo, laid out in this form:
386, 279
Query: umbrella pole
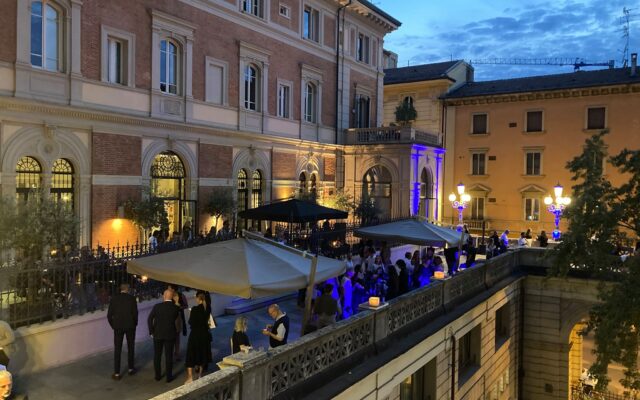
307, 301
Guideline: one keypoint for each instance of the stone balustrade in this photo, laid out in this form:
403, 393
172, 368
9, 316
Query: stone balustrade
391, 135
285, 368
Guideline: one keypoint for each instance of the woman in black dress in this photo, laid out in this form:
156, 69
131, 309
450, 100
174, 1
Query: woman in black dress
240, 339
199, 344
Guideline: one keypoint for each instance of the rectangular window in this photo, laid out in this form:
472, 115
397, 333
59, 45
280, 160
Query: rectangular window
534, 121
285, 11
468, 355
284, 100
362, 48
596, 118
502, 327
532, 209
115, 57
533, 163
253, 7
477, 208
478, 164
362, 111
311, 24
479, 124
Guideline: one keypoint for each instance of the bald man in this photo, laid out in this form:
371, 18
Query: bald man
162, 327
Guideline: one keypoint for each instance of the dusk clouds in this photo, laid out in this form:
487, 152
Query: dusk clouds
435, 31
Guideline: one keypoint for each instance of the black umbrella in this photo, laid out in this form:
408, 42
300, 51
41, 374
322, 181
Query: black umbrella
295, 211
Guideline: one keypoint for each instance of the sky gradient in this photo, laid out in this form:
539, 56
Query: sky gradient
436, 30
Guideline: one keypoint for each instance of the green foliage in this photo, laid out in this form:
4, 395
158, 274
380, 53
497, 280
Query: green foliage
405, 113
219, 203
147, 213
304, 195
341, 200
599, 218
34, 227
366, 210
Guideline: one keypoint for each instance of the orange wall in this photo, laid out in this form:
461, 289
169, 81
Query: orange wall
564, 121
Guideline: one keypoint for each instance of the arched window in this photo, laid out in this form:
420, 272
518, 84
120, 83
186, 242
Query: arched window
313, 189
376, 186
62, 182
252, 88
256, 189
167, 183
243, 197
302, 183
28, 178
46, 38
310, 103
169, 67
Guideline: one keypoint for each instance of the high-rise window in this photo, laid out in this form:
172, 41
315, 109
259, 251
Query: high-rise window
284, 94
311, 24
45, 36
310, 103
251, 88
115, 56
168, 67
362, 48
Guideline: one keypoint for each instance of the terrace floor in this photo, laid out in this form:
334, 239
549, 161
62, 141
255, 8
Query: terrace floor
90, 378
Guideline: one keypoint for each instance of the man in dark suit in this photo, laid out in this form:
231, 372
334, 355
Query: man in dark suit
123, 318
162, 327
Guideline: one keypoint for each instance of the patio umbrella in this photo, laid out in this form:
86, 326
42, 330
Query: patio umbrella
241, 267
411, 231
294, 210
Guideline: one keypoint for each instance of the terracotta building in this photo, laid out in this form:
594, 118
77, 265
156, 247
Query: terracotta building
101, 102
510, 140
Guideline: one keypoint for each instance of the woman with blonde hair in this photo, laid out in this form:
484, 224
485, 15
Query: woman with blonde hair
239, 339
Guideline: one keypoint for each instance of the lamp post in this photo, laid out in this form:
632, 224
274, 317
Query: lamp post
460, 202
556, 205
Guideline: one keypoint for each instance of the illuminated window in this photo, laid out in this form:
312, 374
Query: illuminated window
243, 197
62, 182
532, 209
28, 177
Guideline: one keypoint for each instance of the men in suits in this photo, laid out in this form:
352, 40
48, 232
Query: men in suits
163, 329
123, 318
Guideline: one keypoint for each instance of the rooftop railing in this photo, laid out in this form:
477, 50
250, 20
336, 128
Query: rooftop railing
391, 135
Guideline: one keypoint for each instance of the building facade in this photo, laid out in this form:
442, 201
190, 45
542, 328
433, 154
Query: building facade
510, 140
102, 102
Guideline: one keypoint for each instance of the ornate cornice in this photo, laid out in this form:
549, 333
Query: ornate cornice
545, 95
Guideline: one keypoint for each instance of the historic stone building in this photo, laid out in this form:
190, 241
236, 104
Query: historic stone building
101, 102
509, 141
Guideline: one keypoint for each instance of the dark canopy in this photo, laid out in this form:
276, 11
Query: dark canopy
293, 210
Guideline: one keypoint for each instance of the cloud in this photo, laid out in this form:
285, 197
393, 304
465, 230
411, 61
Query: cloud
587, 29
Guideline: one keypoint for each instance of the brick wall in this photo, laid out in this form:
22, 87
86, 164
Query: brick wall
284, 166
116, 154
329, 31
329, 168
105, 228
8, 30
215, 161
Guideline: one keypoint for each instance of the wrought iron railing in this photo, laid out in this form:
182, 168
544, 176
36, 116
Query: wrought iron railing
391, 134
582, 392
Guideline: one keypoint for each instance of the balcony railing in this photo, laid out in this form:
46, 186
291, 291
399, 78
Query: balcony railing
280, 372
390, 135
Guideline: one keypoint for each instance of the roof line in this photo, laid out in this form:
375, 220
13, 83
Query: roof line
378, 10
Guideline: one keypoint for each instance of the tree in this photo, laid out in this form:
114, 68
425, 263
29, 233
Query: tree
405, 113
219, 204
34, 227
147, 214
599, 218
341, 200
366, 210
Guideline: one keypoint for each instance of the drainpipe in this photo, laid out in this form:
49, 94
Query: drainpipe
453, 367
338, 69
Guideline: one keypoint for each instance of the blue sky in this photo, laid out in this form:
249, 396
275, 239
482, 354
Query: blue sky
437, 30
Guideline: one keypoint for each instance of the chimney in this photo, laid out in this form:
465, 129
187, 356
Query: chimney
634, 64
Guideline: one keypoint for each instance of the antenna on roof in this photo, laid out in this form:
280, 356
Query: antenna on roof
625, 21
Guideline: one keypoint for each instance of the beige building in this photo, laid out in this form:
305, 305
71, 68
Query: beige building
176, 98
510, 140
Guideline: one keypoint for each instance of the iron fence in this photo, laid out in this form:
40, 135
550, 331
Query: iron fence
584, 392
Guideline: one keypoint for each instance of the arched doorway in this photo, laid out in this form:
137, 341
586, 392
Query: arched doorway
243, 198
62, 182
168, 183
376, 186
426, 193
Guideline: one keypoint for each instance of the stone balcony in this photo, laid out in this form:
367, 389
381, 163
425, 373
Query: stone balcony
391, 135
300, 368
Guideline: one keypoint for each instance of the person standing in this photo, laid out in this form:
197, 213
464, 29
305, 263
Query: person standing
522, 242
123, 319
199, 342
543, 239
162, 327
279, 331
504, 241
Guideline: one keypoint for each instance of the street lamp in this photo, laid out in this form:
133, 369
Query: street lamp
460, 202
556, 207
